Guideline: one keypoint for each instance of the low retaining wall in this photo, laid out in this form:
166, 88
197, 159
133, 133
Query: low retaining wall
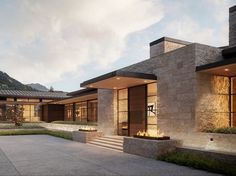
208, 141
148, 148
63, 127
85, 137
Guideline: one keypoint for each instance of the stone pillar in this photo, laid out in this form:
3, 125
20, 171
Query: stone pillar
232, 26
107, 111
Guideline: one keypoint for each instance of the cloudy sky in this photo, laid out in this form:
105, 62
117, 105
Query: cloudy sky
65, 42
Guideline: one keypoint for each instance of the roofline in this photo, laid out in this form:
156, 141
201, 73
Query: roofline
229, 52
169, 40
119, 73
216, 64
232, 9
82, 92
31, 97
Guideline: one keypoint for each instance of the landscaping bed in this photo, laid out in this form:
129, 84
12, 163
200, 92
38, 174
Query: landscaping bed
23, 126
200, 162
61, 134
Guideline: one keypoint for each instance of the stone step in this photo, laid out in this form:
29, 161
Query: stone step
110, 140
116, 143
108, 146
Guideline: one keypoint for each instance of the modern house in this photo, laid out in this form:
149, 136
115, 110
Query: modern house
182, 89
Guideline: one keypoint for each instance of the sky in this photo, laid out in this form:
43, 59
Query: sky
62, 43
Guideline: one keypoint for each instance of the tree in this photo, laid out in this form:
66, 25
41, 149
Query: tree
51, 89
14, 113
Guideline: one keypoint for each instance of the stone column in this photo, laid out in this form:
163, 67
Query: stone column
107, 111
232, 26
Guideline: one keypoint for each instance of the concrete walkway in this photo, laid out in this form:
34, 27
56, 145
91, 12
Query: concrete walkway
47, 155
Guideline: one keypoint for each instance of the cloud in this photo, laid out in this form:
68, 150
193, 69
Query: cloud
41, 40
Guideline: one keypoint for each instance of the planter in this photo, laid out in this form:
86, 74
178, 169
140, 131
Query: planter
148, 147
153, 138
85, 136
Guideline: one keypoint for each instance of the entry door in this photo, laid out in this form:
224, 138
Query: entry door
137, 109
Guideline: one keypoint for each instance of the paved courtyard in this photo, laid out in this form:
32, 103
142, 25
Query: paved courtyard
47, 155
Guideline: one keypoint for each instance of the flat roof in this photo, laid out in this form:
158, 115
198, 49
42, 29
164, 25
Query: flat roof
82, 92
119, 79
170, 40
33, 94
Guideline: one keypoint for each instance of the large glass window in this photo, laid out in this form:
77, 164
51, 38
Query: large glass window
81, 111
123, 112
69, 112
92, 110
152, 108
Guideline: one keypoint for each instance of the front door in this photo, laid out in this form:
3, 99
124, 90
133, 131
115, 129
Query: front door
137, 109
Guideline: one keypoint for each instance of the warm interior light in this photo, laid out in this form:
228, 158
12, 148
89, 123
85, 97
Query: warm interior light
91, 86
226, 69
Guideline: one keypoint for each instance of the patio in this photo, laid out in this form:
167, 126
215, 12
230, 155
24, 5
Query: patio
47, 155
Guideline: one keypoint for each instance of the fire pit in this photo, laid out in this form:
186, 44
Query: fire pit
146, 135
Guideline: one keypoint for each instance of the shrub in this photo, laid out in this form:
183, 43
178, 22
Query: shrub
200, 162
23, 126
225, 130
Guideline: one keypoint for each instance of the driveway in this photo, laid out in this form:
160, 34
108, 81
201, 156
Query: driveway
47, 155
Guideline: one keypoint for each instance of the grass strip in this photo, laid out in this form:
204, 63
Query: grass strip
56, 133
200, 162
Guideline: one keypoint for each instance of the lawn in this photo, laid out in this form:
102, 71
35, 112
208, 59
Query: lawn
200, 162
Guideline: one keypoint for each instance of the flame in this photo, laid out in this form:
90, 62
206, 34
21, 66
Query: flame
87, 128
145, 133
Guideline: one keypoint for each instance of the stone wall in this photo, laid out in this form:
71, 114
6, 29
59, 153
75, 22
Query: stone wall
107, 111
232, 26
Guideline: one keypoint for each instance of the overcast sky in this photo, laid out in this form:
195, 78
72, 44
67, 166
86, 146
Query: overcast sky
65, 42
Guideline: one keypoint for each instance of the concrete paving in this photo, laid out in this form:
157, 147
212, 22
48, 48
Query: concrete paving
47, 155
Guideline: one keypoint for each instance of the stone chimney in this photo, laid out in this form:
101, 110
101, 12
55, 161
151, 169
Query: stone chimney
164, 45
232, 26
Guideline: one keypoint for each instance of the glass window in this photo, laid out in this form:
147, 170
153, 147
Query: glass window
92, 111
123, 112
152, 108
81, 111
69, 112
34, 100
233, 101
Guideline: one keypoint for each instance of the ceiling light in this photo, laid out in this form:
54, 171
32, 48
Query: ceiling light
118, 78
91, 86
145, 81
114, 87
226, 69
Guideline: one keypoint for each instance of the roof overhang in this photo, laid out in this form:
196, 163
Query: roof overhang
119, 80
81, 95
226, 67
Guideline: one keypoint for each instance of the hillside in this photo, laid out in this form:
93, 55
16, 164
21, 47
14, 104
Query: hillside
7, 82
38, 86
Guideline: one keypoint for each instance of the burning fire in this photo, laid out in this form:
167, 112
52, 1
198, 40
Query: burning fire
145, 133
87, 128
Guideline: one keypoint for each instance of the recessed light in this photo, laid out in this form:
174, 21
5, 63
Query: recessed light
226, 69
145, 81
91, 86
118, 78
114, 87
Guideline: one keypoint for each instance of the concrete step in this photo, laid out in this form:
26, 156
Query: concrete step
109, 142
108, 146
116, 143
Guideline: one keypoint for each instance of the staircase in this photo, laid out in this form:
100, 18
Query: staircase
109, 142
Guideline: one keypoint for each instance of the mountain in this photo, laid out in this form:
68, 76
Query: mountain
7, 82
38, 87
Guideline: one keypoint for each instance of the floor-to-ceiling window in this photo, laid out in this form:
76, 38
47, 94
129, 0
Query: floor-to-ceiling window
92, 110
123, 112
81, 111
69, 112
233, 102
152, 108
